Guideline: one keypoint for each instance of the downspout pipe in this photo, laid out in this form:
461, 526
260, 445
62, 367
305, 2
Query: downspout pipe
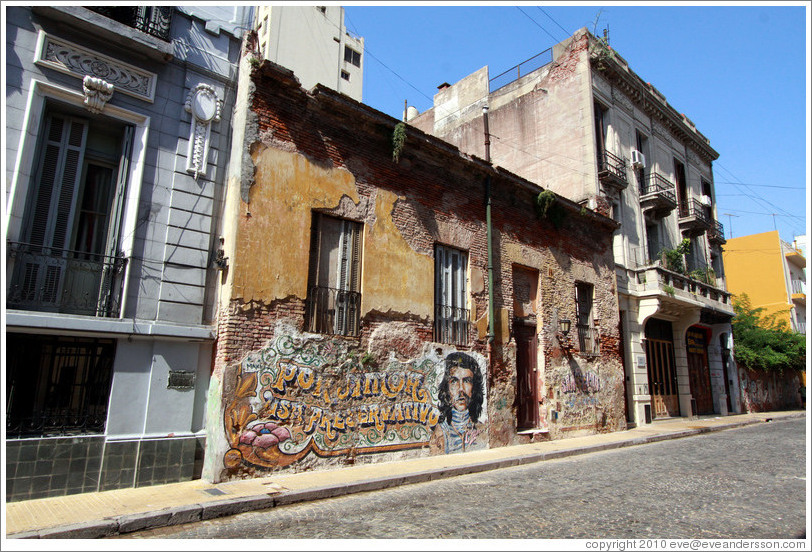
489, 229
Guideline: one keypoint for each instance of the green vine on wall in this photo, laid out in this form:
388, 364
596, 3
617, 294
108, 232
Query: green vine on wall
548, 207
398, 141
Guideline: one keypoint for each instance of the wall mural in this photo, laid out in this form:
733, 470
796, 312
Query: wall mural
311, 394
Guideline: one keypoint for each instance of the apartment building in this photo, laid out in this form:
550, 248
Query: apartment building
772, 274
577, 120
314, 43
117, 128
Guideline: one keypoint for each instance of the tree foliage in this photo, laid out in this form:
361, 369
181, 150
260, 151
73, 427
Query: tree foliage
761, 342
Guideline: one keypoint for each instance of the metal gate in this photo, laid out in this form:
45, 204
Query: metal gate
662, 377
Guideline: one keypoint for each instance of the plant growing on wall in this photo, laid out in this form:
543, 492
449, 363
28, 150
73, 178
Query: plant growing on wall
398, 141
548, 207
706, 275
672, 259
763, 342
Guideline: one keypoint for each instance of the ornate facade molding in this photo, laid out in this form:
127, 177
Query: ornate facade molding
622, 100
659, 129
97, 93
69, 58
204, 106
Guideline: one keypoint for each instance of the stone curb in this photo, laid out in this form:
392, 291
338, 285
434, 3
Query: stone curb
210, 510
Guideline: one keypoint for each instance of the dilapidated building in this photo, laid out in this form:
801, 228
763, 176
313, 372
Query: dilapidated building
385, 296
579, 120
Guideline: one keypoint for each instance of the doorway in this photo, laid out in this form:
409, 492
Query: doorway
662, 373
527, 396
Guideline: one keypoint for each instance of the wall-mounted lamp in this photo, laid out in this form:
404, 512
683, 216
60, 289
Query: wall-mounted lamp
564, 326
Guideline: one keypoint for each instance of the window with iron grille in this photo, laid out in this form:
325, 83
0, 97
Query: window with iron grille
334, 280
585, 321
57, 385
451, 315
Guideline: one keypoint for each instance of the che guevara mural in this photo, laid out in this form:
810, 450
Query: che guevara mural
307, 396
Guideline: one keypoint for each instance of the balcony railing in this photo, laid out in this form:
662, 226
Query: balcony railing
451, 325
800, 327
694, 215
658, 193
716, 233
154, 20
588, 340
333, 311
798, 286
64, 281
612, 170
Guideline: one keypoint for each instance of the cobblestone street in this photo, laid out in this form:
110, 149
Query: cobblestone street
741, 483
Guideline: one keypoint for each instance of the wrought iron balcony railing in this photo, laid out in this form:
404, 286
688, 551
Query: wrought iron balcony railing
693, 208
333, 311
153, 20
798, 286
717, 232
660, 185
451, 325
588, 340
64, 281
613, 167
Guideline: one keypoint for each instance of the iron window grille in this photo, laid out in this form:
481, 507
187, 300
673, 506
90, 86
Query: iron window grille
587, 334
451, 317
333, 304
57, 385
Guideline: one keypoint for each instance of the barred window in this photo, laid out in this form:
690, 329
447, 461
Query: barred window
587, 335
57, 385
451, 315
334, 288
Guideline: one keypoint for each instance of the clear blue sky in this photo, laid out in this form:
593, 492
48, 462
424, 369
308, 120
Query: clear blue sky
740, 73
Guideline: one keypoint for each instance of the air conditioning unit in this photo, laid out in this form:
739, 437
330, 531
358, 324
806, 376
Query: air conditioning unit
705, 200
638, 160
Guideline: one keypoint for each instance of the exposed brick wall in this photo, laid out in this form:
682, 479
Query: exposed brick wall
442, 200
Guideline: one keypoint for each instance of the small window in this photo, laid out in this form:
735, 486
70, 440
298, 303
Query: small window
451, 315
334, 288
322, 9
587, 336
351, 56
345, 76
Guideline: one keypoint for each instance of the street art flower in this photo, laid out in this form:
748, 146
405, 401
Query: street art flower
265, 435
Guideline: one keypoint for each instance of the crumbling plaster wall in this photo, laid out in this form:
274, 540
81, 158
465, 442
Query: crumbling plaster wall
303, 157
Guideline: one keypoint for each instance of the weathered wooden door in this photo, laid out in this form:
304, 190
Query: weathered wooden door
662, 377
527, 410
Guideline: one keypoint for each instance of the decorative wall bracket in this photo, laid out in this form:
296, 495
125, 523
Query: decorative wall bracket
97, 93
205, 108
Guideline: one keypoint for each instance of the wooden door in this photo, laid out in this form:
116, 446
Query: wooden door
527, 409
699, 377
662, 377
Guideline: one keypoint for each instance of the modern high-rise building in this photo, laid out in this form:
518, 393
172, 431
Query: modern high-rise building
314, 43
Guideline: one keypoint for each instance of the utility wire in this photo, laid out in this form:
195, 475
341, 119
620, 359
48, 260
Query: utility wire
566, 33
536, 23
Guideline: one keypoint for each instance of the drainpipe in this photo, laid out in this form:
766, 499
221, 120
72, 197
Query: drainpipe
489, 231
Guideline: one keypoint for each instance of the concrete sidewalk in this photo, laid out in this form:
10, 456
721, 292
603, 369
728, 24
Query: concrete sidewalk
94, 515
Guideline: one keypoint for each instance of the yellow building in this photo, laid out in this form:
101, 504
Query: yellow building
771, 272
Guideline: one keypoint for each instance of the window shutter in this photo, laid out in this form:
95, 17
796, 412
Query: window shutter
60, 171
355, 269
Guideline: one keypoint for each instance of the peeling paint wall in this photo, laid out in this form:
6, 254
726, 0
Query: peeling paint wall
302, 400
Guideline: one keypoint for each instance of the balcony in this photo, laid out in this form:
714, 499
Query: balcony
800, 327
716, 233
658, 194
793, 255
799, 292
333, 311
451, 325
155, 20
63, 281
694, 217
612, 171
